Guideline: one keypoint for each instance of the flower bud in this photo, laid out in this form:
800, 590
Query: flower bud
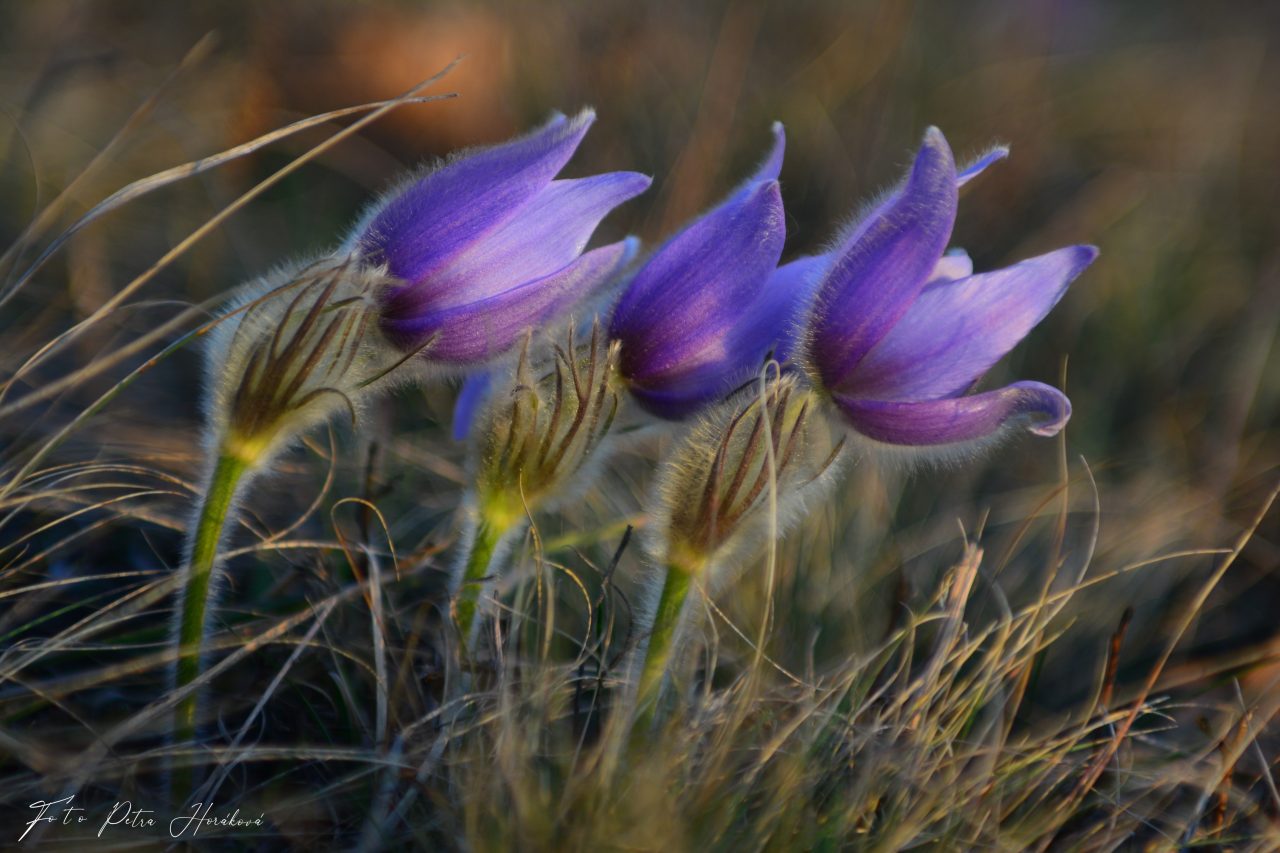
714, 491
304, 345
538, 436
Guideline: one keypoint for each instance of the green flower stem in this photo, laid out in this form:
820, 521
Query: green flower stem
489, 534
657, 656
218, 498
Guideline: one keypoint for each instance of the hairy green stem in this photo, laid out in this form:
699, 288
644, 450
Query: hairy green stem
488, 536
657, 656
218, 498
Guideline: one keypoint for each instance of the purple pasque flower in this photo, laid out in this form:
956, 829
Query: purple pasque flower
489, 244
700, 315
899, 332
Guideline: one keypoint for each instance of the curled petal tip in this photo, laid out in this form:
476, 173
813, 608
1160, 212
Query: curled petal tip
639, 183
935, 154
1041, 409
1048, 407
1075, 259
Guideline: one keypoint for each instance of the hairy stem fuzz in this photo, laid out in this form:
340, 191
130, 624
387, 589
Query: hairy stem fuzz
228, 476
676, 585
495, 526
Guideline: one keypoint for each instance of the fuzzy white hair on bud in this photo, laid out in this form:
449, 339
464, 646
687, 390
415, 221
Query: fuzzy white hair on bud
712, 504
298, 347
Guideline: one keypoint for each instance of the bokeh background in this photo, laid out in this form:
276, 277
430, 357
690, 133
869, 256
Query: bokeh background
1151, 129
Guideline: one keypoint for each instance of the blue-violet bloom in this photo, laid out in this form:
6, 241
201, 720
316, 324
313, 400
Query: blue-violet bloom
899, 332
490, 244
700, 315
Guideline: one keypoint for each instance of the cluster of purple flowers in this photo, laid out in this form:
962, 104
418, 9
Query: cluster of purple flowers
888, 325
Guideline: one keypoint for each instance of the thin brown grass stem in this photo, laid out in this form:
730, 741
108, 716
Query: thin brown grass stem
1094, 772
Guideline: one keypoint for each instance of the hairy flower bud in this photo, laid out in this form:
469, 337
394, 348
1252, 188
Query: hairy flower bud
715, 495
303, 346
544, 430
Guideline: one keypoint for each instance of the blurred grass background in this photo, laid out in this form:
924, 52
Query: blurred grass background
1150, 129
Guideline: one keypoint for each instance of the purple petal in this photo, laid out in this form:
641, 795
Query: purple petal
474, 333
977, 167
649, 296
956, 330
545, 236
768, 170
1042, 409
471, 398
771, 166
433, 219
771, 322
882, 266
680, 310
686, 394
779, 313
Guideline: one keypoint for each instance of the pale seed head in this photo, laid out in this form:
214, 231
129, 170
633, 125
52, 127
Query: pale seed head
302, 346
717, 489
538, 435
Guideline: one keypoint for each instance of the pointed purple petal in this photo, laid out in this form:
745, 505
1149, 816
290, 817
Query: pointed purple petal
651, 291
780, 312
679, 311
1042, 409
771, 166
977, 167
474, 333
471, 398
956, 330
768, 170
768, 324
433, 219
883, 264
545, 236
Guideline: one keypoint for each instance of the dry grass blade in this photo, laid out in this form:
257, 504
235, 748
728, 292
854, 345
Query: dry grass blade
374, 112
1090, 778
49, 214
